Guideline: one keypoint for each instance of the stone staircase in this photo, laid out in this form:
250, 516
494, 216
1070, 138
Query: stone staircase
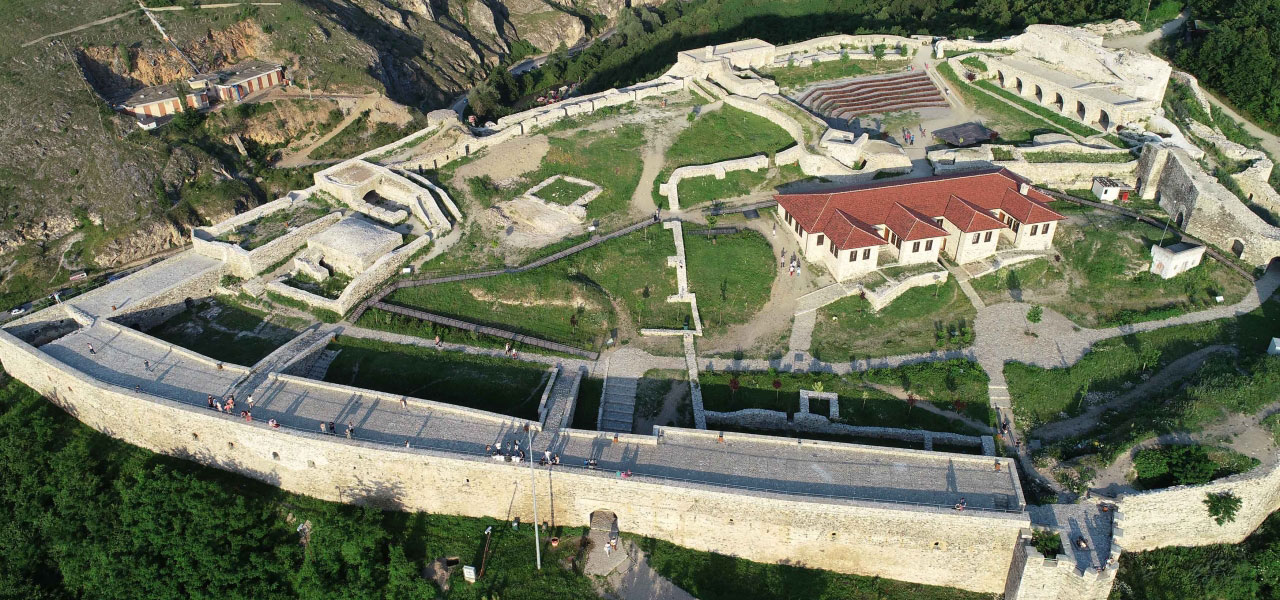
562, 399
618, 404
321, 366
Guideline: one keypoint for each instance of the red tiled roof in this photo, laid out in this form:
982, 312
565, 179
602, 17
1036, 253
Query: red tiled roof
968, 217
1026, 210
910, 225
847, 232
872, 203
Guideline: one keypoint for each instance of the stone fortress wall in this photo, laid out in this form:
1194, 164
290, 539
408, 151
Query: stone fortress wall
1068, 70
1177, 516
1063, 175
248, 263
968, 550
362, 285
1203, 207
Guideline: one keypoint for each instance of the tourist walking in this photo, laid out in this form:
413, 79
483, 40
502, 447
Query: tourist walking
210, 400
351, 431
332, 429
322, 428
91, 350
146, 364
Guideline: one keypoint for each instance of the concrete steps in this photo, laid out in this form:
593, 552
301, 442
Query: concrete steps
618, 404
321, 366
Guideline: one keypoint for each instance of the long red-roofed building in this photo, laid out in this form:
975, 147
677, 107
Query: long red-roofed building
965, 215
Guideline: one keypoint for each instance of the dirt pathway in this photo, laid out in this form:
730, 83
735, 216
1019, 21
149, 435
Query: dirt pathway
930, 407
1174, 373
654, 157
775, 317
301, 158
1245, 433
101, 21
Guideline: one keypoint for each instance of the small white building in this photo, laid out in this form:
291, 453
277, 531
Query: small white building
1274, 348
353, 244
1109, 190
1171, 261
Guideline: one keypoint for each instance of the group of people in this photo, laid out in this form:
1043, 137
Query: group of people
351, 430
510, 350
909, 137
793, 266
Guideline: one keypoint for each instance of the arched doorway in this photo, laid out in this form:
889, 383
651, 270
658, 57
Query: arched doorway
1180, 219
1059, 103
1080, 110
1104, 120
1039, 94
1237, 248
1000, 76
1017, 84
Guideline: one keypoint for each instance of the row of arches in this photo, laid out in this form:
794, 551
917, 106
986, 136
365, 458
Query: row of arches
1055, 100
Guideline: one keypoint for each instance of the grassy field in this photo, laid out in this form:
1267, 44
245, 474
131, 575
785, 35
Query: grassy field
1113, 365
545, 302
362, 135
721, 135
920, 320
1077, 157
1102, 279
696, 191
1054, 117
220, 330
860, 403
563, 192
500, 385
731, 275
1012, 124
795, 76
607, 159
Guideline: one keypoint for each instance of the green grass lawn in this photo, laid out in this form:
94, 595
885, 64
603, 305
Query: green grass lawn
1102, 279
1222, 386
731, 275
543, 302
1012, 124
920, 320
563, 192
860, 404
696, 191
362, 135
1056, 118
227, 331
795, 76
721, 135
500, 385
1112, 365
1078, 157
609, 159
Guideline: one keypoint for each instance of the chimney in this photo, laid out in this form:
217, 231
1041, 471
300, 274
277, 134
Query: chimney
1023, 188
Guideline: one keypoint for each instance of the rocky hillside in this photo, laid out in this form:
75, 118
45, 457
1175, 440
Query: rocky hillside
82, 187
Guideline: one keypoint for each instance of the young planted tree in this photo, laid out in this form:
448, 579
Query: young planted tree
1222, 506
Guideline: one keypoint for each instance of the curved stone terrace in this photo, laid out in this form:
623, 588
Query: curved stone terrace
824, 471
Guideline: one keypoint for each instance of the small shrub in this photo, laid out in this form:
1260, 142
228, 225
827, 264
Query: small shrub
1035, 314
1222, 507
1047, 542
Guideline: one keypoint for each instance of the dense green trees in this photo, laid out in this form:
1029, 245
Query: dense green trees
1239, 56
1244, 571
647, 39
90, 517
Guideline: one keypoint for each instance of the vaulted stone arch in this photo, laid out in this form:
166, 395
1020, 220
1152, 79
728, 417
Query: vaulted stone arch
1059, 103
1039, 93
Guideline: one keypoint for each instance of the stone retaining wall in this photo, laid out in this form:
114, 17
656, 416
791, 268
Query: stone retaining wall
671, 189
759, 418
969, 550
881, 297
248, 263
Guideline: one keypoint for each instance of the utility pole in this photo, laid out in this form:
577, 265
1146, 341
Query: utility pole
533, 489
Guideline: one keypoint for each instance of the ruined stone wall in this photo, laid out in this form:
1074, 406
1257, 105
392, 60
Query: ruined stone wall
968, 550
1203, 206
1177, 516
359, 287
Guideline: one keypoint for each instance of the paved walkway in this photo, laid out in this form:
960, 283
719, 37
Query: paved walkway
751, 464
